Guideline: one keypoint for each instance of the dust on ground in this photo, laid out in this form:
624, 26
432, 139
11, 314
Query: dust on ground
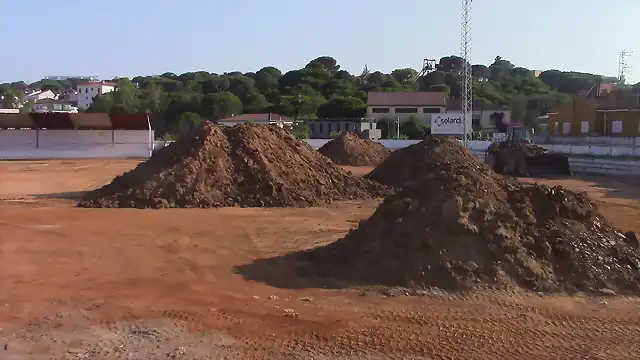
118, 283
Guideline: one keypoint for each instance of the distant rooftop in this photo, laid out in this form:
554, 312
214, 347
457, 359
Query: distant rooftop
407, 98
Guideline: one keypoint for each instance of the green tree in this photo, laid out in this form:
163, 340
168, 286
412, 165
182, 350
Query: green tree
342, 107
414, 130
220, 105
322, 88
188, 121
301, 129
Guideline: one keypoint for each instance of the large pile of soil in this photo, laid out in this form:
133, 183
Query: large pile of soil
350, 149
245, 165
405, 166
457, 225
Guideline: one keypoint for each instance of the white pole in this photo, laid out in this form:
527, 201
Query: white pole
398, 128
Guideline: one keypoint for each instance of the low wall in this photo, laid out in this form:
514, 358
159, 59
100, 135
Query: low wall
582, 158
595, 140
75, 144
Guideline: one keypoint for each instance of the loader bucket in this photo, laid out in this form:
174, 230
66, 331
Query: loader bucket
548, 164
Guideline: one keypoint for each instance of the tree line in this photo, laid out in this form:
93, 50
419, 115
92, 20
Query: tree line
320, 89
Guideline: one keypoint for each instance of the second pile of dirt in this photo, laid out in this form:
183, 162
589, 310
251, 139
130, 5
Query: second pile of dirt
245, 165
350, 149
457, 225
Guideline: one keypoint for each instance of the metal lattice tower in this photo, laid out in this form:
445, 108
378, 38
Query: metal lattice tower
467, 82
622, 66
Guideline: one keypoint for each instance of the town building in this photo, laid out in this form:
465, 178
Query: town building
585, 117
53, 105
406, 105
485, 117
40, 95
70, 96
89, 90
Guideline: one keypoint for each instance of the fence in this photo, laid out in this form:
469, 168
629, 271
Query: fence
74, 136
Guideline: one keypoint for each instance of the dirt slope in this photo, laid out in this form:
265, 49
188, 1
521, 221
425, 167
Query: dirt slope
350, 149
246, 165
457, 225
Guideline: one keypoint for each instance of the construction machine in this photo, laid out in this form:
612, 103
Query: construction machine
518, 155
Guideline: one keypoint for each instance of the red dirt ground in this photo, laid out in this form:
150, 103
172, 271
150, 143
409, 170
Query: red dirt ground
159, 284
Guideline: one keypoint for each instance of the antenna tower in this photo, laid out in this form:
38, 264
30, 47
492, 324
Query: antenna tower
622, 66
467, 83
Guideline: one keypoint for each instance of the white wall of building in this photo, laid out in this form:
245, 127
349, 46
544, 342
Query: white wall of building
86, 93
75, 144
41, 95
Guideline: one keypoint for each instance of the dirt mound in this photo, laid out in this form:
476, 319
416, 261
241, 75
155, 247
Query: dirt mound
350, 149
405, 166
458, 225
245, 165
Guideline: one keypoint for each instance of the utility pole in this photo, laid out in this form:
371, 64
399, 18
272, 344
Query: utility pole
467, 81
622, 66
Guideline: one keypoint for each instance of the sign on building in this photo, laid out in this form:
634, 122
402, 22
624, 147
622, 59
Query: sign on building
449, 124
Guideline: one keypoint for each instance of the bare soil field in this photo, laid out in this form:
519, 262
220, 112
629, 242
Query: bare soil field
163, 284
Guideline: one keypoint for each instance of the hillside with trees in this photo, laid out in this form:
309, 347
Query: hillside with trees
320, 89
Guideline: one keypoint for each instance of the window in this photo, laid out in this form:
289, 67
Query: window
406, 110
475, 124
321, 128
312, 127
584, 126
86, 90
616, 126
346, 127
431, 110
380, 110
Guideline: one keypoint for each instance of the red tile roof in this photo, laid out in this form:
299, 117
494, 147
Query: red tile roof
255, 117
455, 104
413, 98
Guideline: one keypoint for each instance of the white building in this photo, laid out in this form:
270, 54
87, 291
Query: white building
49, 105
268, 118
88, 91
41, 95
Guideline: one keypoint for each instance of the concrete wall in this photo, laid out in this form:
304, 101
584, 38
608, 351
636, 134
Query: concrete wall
596, 140
75, 144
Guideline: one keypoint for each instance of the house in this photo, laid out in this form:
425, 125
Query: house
53, 105
70, 96
40, 95
89, 90
267, 118
325, 128
405, 105
485, 117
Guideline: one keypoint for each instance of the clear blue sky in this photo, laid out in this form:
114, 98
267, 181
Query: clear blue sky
142, 37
